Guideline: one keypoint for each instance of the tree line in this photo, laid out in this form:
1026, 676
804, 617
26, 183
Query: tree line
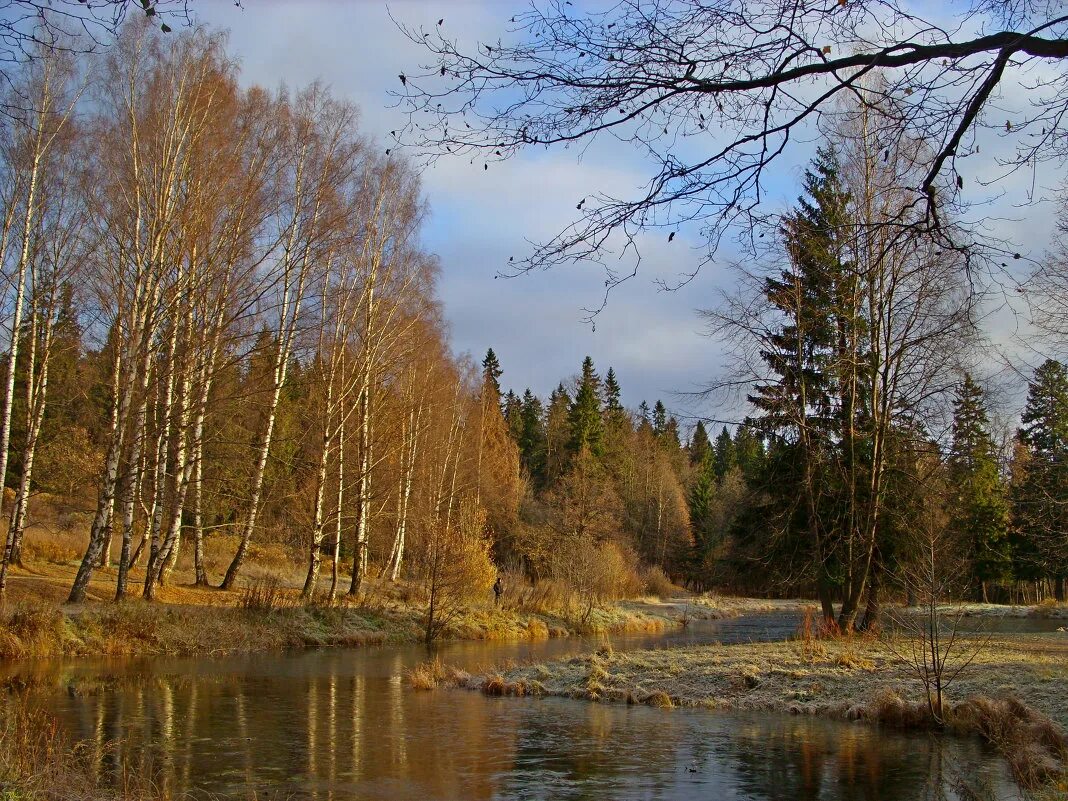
221, 322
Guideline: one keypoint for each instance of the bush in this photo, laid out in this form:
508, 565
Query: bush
265, 594
457, 567
596, 572
656, 582
434, 673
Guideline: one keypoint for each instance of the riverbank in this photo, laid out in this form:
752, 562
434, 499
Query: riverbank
265, 611
38, 629
838, 678
1012, 690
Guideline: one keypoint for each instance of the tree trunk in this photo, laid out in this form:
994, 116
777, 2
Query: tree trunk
198, 517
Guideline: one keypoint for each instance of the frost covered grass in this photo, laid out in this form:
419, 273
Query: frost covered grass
837, 678
1012, 695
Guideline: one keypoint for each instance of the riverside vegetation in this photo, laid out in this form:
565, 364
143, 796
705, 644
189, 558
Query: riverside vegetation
231, 419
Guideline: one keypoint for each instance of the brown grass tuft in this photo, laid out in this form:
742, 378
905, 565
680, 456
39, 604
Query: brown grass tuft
265, 594
659, 699
434, 673
1035, 747
890, 709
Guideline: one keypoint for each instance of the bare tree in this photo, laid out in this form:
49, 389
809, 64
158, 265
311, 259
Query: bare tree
867, 360
31, 28
712, 94
318, 148
142, 161
931, 639
34, 157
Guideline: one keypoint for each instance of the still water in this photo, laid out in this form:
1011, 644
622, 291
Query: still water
341, 724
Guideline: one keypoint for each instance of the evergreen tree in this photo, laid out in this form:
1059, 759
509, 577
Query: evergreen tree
979, 513
491, 371
659, 419
1042, 504
557, 433
700, 447
532, 436
585, 414
801, 403
723, 456
748, 451
670, 436
611, 392
513, 415
617, 425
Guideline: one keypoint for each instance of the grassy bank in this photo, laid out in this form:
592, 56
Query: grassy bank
265, 611
34, 629
1013, 694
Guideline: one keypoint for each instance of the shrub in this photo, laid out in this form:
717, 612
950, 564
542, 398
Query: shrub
656, 582
457, 567
265, 594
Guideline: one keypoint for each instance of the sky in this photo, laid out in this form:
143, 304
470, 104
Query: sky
536, 323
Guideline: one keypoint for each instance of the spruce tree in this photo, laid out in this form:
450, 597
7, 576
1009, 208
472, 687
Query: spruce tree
611, 392
557, 433
979, 514
723, 456
1042, 503
659, 419
801, 405
513, 415
584, 416
491, 371
670, 437
532, 436
700, 447
748, 450
643, 411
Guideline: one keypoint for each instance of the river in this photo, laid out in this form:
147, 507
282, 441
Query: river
341, 724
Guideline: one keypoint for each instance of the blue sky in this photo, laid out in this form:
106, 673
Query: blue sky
536, 323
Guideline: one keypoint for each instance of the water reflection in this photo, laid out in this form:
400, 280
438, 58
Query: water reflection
340, 725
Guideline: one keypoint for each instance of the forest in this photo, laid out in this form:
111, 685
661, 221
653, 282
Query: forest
226, 329
273, 526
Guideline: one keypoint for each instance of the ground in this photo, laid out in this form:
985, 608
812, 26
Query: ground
190, 619
836, 677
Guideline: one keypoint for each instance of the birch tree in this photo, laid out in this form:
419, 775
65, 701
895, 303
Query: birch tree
38, 246
156, 100
318, 148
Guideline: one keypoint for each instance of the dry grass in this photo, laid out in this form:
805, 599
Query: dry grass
38, 764
264, 612
265, 594
434, 673
840, 680
1036, 748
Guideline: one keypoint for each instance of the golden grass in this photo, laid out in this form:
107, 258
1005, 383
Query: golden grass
38, 764
264, 612
434, 673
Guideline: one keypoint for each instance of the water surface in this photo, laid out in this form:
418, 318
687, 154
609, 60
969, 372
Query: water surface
341, 724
